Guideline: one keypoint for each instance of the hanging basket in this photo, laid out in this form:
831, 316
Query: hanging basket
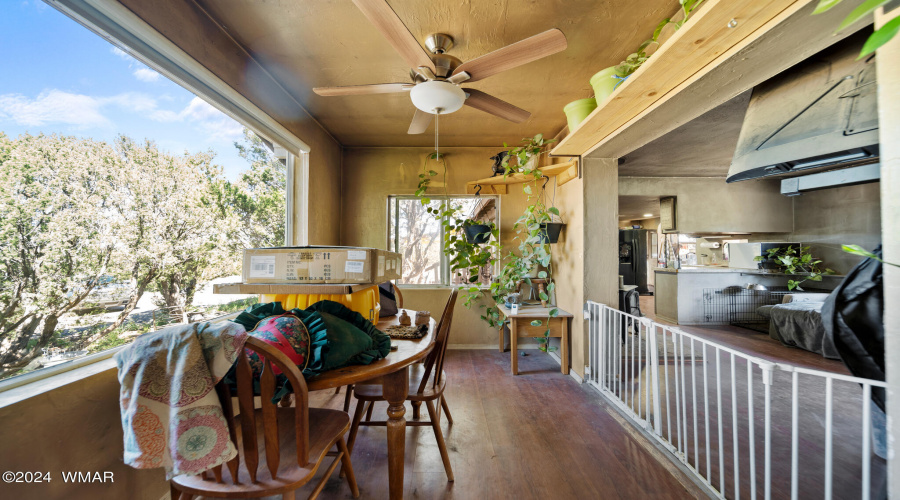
477, 234
550, 232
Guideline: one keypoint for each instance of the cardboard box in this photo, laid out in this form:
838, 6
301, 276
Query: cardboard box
286, 288
316, 264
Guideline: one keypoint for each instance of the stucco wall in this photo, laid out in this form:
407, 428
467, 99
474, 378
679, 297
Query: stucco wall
324, 207
708, 204
370, 175
828, 218
74, 428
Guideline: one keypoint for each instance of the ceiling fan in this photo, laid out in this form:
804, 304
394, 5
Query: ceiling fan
436, 77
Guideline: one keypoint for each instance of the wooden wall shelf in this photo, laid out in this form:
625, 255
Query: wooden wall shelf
691, 52
564, 172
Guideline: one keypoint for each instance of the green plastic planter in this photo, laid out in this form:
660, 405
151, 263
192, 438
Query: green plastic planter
577, 111
604, 83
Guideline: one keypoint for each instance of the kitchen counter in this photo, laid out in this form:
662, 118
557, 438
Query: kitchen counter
725, 269
679, 292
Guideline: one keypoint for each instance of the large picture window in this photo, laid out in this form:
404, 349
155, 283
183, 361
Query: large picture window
123, 197
418, 236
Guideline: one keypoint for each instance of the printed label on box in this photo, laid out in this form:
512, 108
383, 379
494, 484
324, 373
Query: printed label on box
356, 255
262, 266
354, 266
381, 265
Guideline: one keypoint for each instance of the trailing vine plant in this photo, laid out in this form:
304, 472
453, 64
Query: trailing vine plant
466, 257
534, 250
636, 59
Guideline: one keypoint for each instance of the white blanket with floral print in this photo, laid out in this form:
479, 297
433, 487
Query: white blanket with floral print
171, 414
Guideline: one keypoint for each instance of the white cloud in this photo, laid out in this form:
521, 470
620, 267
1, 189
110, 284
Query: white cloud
146, 75
121, 53
54, 106
83, 111
213, 122
57, 106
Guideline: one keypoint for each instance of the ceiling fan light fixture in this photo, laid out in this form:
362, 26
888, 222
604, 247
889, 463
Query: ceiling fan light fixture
437, 95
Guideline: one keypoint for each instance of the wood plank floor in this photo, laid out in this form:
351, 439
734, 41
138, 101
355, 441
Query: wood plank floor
539, 435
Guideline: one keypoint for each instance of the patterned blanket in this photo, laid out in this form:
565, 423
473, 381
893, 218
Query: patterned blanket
171, 414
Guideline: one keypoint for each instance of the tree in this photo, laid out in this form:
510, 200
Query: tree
56, 239
258, 198
171, 232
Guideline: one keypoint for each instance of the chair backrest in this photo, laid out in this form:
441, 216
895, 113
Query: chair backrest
269, 356
435, 360
399, 296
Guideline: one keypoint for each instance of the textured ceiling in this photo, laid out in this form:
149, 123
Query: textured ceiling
306, 44
634, 207
702, 147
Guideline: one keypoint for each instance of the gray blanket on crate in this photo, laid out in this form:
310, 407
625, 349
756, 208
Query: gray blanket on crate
799, 324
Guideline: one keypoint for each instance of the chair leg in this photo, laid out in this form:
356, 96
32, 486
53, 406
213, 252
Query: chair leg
325, 477
288, 495
337, 390
347, 398
173, 491
417, 406
439, 437
354, 425
446, 409
347, 467
369, 411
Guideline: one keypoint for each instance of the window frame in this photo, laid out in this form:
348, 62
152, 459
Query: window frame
116, 24
392, 216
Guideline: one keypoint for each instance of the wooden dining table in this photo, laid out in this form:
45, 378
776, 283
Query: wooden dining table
393, 374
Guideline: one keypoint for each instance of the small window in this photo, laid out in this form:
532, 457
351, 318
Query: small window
418, 236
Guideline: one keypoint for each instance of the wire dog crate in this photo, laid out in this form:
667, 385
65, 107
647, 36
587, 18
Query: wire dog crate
737, 305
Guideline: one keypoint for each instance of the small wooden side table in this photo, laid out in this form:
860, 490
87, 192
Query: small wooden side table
520, 326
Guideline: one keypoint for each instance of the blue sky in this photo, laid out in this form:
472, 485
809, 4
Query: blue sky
59, 77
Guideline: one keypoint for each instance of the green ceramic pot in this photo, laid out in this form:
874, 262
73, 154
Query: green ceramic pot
604, 82
577, 111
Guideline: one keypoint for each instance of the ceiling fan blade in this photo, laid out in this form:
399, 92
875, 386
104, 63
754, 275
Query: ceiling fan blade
522, 52
420, 122
459, 78
497, 107
376, 88
385, 19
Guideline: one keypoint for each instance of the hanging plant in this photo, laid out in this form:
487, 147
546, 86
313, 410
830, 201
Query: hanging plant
534, 251
468, 257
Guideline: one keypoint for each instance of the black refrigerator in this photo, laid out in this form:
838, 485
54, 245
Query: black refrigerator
636, 247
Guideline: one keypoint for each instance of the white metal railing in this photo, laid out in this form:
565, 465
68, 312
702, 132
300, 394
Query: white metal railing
701, 400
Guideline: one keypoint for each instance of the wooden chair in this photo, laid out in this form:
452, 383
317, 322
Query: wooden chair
427, 382
349, 392
279, 449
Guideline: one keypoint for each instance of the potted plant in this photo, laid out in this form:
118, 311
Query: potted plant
477, 233
469, 255
797, 263
534, 253
550, 230
634, 61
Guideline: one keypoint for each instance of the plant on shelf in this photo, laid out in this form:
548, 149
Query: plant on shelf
534, 253
468, 257
881, 36
636, 59
796, 263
